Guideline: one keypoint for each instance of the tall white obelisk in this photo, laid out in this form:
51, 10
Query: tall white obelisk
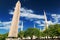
13, 33
46, 23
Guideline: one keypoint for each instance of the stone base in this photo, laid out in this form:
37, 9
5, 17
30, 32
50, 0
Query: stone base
13, 39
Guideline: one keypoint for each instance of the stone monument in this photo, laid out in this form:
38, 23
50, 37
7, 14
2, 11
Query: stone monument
13, 33
46, 22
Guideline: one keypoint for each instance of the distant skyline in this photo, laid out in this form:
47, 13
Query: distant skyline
32, 12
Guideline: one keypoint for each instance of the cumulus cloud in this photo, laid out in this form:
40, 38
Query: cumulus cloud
41, 25
53, 15
24, 13
26, 10
6, 25
56, 17
38, 22
28, 13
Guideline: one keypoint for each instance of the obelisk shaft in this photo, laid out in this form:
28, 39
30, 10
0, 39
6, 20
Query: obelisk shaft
46, 23
15, 21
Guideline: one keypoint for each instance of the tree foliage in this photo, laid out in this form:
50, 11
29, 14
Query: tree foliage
53, 30
21, 34
32, 32
3, 36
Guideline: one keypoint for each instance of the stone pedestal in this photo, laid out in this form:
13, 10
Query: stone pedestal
13, 39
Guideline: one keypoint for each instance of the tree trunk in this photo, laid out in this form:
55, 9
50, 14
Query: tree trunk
31, 38
58, 38
47, 37
52, 38
21, 38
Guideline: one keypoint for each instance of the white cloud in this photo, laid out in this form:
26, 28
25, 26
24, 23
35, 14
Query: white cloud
23, 10
56, 17
11, 12
41, 25
6, 25
29, 14
49, 23
26, 10
38, 22
53, 15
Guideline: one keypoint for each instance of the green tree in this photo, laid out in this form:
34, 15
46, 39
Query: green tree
57, 26
52, 31
46, 33
3, 36
21, 34
42, 34
32, 32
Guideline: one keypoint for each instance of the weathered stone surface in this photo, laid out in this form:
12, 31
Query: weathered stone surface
15, 21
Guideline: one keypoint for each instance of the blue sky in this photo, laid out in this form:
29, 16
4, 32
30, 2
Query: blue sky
31, 13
